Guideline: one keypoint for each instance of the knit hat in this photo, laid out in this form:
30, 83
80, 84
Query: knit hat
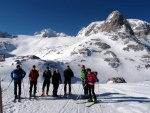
83, 66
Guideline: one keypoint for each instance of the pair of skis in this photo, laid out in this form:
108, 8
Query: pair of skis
89, 103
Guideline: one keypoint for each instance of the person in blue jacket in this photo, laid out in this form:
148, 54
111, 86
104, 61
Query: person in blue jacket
17, 75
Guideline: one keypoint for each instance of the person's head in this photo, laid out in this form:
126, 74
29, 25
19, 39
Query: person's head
57, 70
68, 67
18, 67
89, 70
47, 68
83, 67
34, 67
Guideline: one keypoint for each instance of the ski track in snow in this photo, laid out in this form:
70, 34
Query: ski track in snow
116, 98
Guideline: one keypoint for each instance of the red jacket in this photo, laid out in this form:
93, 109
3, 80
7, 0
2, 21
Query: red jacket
92, 78
34, 74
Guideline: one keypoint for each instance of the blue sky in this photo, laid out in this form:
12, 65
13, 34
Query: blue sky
68, 16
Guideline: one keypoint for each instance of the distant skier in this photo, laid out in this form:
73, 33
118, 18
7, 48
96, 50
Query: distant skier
17, 75
34, 74
68, 74
47, 75
92, 78
56, 80
84, 73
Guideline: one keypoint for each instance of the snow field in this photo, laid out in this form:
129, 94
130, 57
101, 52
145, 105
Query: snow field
116, 98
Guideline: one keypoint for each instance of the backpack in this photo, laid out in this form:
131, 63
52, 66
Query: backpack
95, 73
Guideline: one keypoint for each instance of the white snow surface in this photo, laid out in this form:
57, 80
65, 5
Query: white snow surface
49, 33
115, 98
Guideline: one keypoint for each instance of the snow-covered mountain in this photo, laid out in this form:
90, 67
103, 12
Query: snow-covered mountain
115, 47
49, 33
111, 47
6, 35
116, 20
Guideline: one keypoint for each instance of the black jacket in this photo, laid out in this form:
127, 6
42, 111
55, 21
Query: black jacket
56, 78
68, 73
47, 75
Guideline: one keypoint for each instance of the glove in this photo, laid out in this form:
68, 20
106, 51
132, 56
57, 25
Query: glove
12, 78
97, 80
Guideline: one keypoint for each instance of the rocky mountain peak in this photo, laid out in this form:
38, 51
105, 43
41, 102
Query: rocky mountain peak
6, 35
116, 21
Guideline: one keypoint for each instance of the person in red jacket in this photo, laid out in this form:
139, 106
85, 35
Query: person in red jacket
34, 74
92, 78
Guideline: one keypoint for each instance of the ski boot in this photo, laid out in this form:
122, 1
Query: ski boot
42, 94
90, 100
19, 98
46, 94
95, 101
30, 95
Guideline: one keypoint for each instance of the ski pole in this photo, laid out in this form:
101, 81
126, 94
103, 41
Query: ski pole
61, 89
74, 90
24, 89
28, 87
8, 86
80, 93
38, 87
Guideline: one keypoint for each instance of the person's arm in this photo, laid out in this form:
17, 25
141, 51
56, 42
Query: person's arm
44, 74
12, 74
30, 74
60, 78
72, 74
95, 78
65, 73
50, 74
23, 73
53, 77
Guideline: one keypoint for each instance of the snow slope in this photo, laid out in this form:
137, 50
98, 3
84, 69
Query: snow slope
49, 33
93, 51
116, 98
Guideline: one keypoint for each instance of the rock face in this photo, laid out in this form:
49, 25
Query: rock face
116, 21
27, 57
5, 46
93, 28
113, 61
116, 80
123, 28
141, 28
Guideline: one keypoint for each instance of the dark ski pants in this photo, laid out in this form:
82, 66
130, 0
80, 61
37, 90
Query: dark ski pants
15, 89
85, 87
67, 81
33, 83
55, 89
91, 92
46, 83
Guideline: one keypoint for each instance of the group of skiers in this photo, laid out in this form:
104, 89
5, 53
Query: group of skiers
88, 80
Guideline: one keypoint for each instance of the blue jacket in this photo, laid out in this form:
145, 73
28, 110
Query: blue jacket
18, 75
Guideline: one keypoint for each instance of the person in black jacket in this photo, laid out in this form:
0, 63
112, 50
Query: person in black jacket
47, 75
68, 74
56, 79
